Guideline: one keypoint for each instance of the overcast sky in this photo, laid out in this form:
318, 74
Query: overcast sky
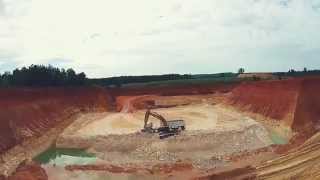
125, 37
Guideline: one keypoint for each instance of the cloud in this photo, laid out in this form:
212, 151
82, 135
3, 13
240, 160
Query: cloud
108, 37
2, 8
7, 62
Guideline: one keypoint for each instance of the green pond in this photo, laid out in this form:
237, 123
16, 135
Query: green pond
277, 138
63, 157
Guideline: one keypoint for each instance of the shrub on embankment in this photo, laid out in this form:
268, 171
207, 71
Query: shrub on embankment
29, 112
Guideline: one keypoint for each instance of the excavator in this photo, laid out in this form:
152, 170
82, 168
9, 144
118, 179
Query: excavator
166, 129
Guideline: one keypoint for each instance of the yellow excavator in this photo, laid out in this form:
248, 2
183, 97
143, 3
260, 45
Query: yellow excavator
166, 129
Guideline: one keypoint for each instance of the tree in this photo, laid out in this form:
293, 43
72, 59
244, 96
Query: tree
241, 70
305, 70
81, 78
291, 71
6, 79
40, 75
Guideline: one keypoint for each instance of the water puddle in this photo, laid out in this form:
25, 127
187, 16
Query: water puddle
63, 157
276, 138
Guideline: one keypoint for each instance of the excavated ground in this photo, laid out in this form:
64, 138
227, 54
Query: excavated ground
214, 133
263, 130
116, 137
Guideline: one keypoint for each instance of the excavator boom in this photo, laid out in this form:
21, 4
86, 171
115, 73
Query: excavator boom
156, 115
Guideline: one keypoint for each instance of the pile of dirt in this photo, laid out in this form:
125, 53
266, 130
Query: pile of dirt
27, 113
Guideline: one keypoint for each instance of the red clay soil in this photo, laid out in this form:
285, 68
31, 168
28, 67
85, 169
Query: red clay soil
28, 112
30, 171
156, 169
169, 168
132, 103
273, 99
294, 101
245, 173
307, 114
131, 99
103, 167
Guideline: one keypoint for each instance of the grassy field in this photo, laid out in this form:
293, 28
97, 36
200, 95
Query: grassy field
196, 81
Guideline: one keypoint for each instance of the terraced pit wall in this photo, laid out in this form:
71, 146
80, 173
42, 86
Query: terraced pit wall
294, 102
307, 113
26, 113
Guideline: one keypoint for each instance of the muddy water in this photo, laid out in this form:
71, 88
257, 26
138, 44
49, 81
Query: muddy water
64, 156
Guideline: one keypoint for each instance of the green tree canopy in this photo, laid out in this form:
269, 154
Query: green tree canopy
241, 70
40, 75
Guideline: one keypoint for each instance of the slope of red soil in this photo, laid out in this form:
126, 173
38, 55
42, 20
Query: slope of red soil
30, 171
26, 113
294, 101
273, 99
235, 174
307, 114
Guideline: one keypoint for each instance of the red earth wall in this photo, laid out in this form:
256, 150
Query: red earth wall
295, 101
307, 114
130, 99
28, 112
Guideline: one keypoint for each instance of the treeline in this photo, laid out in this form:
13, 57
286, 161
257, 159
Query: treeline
118, 81
295, 73
40, 75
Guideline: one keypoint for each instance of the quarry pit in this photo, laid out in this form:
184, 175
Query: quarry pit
240, 130
212, 132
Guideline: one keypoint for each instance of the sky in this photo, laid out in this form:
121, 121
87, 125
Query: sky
121, 37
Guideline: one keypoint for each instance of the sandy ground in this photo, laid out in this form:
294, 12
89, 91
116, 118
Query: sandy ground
197, 117
60, 173
212, 132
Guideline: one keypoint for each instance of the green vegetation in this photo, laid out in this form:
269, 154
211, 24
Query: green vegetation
163, 80
40, 75
121, 80
43, 76
294, 73
195, 80
241, 71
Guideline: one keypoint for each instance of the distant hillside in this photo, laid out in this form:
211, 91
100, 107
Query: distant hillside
44, 76
162, 79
